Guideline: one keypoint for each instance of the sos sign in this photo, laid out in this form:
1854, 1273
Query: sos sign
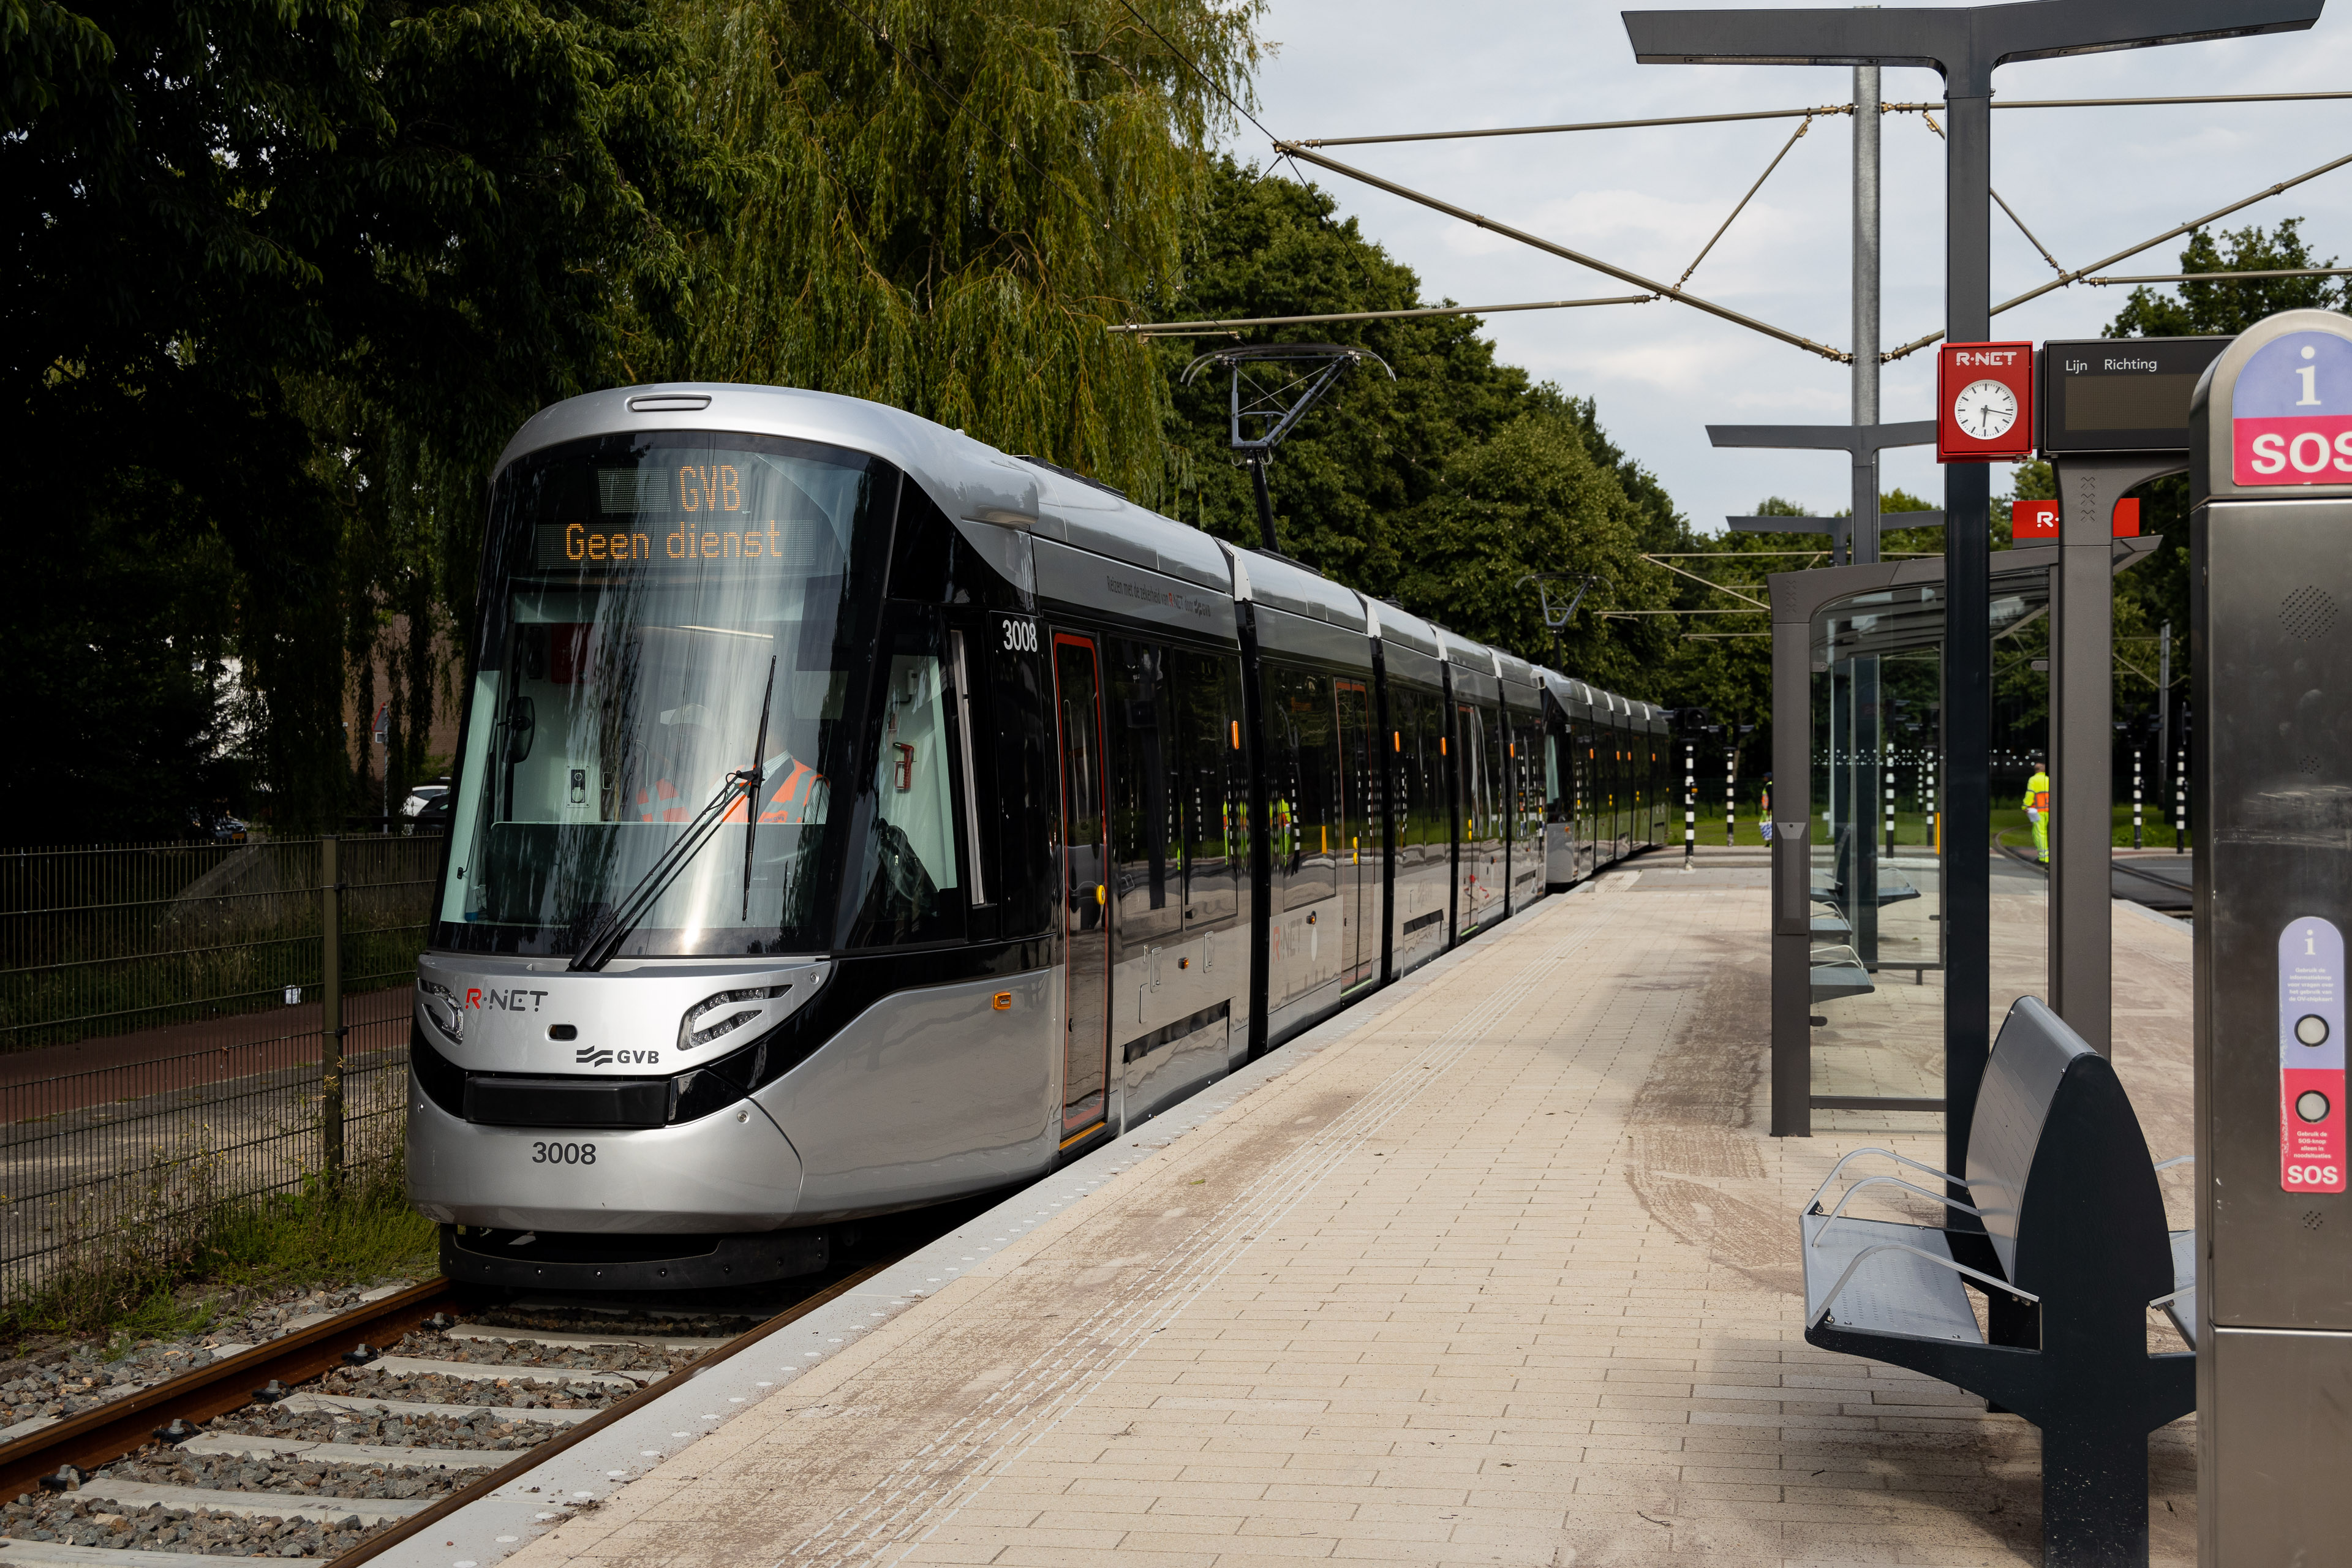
2311, 1056
2291, 419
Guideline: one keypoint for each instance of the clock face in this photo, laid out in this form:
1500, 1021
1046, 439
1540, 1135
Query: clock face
1985, 410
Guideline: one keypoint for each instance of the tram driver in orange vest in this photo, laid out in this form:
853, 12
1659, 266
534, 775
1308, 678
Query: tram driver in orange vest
796, 792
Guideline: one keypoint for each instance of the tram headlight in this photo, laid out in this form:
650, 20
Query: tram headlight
441, 1006
704, 1022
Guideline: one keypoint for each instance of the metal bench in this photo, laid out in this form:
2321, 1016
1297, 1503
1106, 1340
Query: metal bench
2072, 1253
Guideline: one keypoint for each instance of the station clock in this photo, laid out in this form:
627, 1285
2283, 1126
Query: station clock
1984, 403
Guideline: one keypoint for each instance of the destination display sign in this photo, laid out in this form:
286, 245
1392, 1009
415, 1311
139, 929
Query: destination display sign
701, 514
2121, 394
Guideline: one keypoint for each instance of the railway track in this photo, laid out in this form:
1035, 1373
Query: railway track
345, 1436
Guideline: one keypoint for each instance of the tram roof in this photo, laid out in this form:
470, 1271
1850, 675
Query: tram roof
1286, 584
972, 480
1515, 668
967, 479
1406, 629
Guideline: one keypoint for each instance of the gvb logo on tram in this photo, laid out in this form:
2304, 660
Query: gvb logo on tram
2292, 418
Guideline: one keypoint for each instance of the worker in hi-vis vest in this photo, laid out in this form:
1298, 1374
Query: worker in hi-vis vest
2037, 811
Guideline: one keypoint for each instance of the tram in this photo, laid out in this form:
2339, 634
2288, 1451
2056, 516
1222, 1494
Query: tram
852, 817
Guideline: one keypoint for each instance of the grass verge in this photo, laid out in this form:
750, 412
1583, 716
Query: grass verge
361, 1228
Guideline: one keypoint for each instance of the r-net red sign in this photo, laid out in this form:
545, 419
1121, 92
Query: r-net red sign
2291, 417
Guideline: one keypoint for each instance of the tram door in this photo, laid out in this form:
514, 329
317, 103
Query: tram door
1360, 860
1085, 896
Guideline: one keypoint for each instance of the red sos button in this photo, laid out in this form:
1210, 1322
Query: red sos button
1984, 402
2311, 1058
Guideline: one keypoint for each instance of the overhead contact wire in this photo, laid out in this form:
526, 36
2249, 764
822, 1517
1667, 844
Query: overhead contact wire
1718, 234
1656, 288
2173, 233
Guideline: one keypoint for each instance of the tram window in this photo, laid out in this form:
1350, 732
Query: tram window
1214, 787
1429, 809
1302, 785
622, 692
933, 562
1529, 784
1027, 872
1477, 806
1146, 875
907, 860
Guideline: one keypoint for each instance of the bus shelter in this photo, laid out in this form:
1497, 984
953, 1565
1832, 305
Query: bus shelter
1857, 675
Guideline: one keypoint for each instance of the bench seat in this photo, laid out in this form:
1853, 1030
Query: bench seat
2057, 1221
1890, 1292
2182, 1309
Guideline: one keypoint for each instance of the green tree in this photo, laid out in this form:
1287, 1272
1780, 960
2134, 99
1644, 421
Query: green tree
2156, 592
949, 204
1439, 490
282, 273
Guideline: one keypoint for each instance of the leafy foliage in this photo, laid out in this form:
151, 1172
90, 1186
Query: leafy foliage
284, 273
2157, 593
948, 206
1438, 490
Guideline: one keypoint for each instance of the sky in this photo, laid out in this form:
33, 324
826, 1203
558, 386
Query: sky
2088, 181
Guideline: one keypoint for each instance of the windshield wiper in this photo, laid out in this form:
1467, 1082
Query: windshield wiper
758, 772
605, 937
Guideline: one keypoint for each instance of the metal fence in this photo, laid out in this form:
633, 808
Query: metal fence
183, 1025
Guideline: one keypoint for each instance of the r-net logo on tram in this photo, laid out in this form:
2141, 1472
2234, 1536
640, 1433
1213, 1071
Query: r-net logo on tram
2291, 416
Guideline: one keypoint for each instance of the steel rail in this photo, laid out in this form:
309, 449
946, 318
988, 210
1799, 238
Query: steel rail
1178, 329
1663, 291
100, 1435
532, 1459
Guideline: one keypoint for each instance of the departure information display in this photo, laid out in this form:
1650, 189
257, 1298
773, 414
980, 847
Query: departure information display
693, 516
2121, 394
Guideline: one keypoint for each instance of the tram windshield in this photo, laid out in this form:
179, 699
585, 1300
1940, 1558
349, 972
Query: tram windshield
651, 602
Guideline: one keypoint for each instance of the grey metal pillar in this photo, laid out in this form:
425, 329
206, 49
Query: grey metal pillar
1792, 871
1967, 869
2082, 736
1862, 731
1857, 821
1865, 308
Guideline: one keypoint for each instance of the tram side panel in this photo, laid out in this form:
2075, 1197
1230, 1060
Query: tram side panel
951, 1069
1581, 786
1178, 781
1424, 842
1526, 856
1620, 781
1662, 790
1323, 895
1480, 758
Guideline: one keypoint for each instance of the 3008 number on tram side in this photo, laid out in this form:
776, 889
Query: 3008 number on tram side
851, 817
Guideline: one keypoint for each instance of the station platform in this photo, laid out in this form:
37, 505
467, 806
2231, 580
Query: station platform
1496, 1267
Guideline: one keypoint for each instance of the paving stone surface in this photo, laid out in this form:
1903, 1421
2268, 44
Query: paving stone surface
1506, 1275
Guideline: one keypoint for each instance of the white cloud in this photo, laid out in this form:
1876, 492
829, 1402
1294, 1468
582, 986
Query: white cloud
2088, 181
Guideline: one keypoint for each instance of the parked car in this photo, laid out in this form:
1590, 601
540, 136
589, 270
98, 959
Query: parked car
218, 825
423, 796
433, 818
